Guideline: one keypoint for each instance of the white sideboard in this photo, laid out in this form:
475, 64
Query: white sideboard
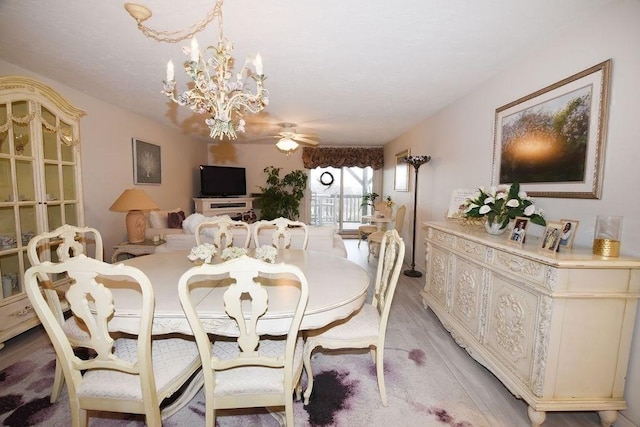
223, 205
555, 329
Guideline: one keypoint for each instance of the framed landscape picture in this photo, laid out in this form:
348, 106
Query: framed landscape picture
147, 163
552, 141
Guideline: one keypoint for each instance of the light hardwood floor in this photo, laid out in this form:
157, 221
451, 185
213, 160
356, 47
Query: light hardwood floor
486, 391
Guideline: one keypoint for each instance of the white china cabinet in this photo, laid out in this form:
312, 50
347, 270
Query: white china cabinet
555, 329
40, 186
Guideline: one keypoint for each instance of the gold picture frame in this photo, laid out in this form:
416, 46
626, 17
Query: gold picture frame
519, 232
552, 141
401, 178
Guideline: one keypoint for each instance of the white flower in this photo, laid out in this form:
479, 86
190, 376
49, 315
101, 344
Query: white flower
232, 252
484, 209
513, 203
523, 195
529, 210
204, 251
489, 200
267, 253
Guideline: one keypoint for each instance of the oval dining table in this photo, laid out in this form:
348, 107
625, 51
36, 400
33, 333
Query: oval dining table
337, 288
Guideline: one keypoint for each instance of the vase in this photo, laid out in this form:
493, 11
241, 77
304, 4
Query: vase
495, 228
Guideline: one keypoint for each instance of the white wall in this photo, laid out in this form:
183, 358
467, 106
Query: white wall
460, 141
107, 162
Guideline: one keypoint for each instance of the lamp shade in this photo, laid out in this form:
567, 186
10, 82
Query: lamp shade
134, 202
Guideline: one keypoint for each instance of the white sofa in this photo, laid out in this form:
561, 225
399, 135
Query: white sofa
323, 239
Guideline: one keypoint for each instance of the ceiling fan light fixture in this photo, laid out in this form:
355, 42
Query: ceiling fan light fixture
287, 145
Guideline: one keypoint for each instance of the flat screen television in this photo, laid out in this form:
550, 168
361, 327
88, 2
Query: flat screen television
222, 181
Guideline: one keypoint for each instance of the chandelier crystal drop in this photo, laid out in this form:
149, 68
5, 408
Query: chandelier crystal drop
216, 91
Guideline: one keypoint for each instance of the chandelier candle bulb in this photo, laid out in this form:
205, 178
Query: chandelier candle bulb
258, 64
170, 73
195, 50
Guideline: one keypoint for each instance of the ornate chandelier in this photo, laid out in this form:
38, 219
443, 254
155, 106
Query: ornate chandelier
215, 91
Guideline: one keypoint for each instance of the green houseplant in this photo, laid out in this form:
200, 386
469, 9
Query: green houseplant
368, 199
281, 197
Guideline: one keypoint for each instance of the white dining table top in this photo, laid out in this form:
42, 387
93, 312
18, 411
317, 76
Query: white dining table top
337, 288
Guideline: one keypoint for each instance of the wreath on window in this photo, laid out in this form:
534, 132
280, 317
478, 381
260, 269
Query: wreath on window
326, 179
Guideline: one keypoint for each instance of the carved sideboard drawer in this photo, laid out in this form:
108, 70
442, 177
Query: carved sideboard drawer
524, 268
471, 249
15, 313
444, 239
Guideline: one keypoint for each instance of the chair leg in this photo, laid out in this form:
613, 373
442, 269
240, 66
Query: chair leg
359, 238
380, 375
308, 349
58, 382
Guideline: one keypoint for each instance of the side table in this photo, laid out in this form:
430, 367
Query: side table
135, 249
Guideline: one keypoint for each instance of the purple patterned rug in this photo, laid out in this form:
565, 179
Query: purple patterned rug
419, 388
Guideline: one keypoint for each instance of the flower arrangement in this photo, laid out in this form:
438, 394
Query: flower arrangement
267, 253
204, 252
389, 202
502, 204
232, 252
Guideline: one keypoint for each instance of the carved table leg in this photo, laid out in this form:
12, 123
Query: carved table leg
607, 418
537, 418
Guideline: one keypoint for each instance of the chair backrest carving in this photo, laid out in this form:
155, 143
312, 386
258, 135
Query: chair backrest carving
281, 237
71, 241
391, 257
223, 231
91, 300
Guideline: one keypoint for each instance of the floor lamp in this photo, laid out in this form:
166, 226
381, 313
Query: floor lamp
416, 162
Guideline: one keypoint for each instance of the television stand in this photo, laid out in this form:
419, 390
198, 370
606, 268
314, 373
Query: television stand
216, 206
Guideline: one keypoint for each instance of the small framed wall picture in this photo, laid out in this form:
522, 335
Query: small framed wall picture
568, 232
519, 230
550, 238
401, 178
147, 163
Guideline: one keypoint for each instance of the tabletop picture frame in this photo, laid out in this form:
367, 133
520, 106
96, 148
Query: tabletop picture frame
568, 232
552, 141
519, 232
147, 162
550, 239
401, 178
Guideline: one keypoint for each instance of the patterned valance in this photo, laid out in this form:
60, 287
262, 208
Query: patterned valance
338, 157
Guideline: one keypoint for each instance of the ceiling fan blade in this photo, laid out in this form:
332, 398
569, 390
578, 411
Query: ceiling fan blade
305, 141
308, 135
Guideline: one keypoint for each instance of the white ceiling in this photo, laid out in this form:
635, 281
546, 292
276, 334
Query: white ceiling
357, 72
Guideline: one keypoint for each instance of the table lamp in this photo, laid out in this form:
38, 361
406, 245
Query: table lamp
134, 202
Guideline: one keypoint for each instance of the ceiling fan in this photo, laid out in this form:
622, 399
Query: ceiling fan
289, 139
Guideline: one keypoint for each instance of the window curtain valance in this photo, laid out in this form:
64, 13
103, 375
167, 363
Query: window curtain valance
338, 157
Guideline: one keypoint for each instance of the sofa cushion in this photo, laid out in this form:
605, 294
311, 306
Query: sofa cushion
160, 219
175, 219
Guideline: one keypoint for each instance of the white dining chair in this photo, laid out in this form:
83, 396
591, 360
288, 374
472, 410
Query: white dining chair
251, 369
375, 238
366, 229
281, 236
68, 241
223, 228
367, 327
131, 375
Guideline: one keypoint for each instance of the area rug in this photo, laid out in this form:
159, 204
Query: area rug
420, 391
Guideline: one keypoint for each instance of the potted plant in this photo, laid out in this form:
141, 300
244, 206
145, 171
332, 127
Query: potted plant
281, 197
368, 199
